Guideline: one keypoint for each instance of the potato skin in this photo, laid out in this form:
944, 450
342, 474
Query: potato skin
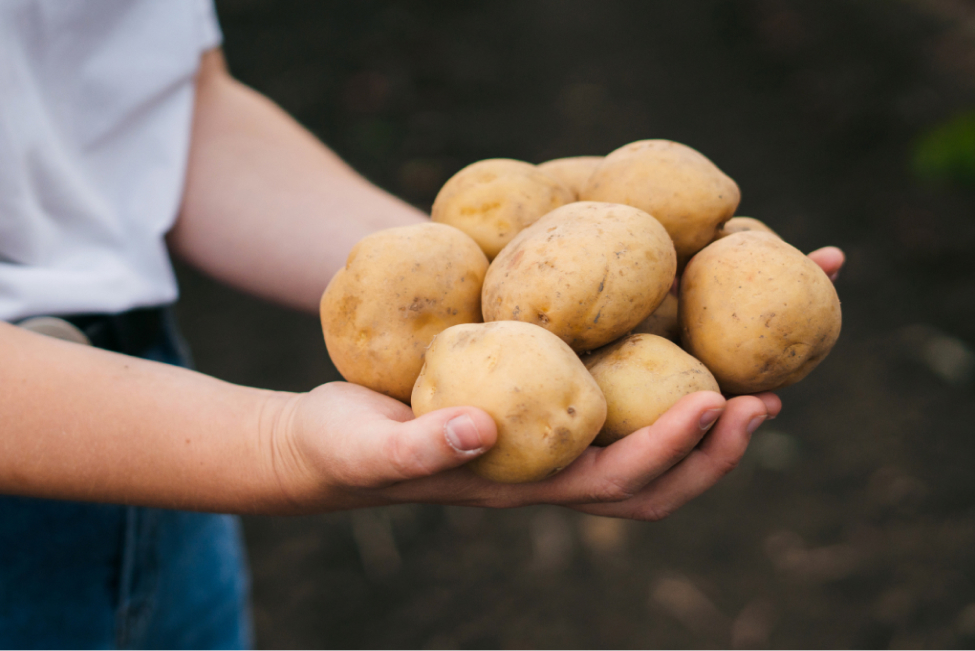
678, 185
742, 224
398, 289
588, 271
493, 200
572, 172
663, 322
546, 406
642, 376
757, 312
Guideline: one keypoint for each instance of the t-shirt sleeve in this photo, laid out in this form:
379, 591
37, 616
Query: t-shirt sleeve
209, 25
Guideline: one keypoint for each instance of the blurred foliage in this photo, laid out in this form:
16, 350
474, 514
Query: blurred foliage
946, 153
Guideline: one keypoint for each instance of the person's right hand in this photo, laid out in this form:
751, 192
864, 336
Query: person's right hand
343, 446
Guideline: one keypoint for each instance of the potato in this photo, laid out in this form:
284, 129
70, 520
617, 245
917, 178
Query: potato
663, 322
742, 224
589, 272
642, 376
757, 312
684, 190
493, 200
572, 172
546, 406
399, 288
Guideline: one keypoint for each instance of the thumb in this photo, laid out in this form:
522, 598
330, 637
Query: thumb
435, 442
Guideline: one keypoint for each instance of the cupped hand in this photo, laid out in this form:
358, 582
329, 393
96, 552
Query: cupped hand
343, 446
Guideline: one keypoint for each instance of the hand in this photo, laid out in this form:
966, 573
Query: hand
343, 446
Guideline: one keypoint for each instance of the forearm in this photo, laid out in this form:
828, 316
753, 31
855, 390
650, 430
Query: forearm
267, 207
80, 423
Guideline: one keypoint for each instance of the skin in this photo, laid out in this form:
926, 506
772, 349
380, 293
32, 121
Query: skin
398, 289
757, 312
571, 172
589, 272
269, 210
678, 185
546, 406
493, 200
740, 225
642, 376
663, 322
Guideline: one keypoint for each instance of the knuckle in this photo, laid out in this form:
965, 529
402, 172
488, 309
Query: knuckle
402, 457
610, 490
654, 513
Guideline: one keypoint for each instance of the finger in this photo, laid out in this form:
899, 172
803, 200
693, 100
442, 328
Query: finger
773, 404
830, 259
621, 470
717, 455
432, 443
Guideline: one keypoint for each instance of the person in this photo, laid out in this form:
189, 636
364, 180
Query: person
124, 138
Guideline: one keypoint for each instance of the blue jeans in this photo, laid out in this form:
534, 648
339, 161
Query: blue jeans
78, 575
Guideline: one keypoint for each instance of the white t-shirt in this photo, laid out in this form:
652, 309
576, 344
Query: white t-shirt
96, 104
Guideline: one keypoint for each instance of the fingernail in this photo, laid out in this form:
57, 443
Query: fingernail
709, 418
836, 274
462, 434
755, 422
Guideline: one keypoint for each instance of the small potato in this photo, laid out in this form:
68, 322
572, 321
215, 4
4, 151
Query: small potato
679, 186
757, 312
546, 406
741, 225
572, 172
642, 376
589, 272
663, 322
399, 288
493, 200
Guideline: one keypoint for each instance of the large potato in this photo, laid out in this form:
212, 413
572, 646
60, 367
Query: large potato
493, 200
399, 288
546, 406
742, 225
642, 376
663, 322
589, 272
757, 312
678, 185
573, 172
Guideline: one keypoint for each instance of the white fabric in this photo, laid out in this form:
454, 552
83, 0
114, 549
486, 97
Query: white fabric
96, 101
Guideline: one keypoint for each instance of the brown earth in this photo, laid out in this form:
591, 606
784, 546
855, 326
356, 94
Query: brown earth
851, 522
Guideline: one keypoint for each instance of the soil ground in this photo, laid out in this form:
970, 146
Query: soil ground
851, 521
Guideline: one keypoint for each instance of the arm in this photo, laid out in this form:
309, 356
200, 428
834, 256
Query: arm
268, 208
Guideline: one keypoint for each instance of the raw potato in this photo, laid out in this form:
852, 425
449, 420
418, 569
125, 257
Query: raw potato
589, 272
493, 200
642, 376
678, 185
399, 288
757, 312
546, 406
740, 225
663, 322
572, 172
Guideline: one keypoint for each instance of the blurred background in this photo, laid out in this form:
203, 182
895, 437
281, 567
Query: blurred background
851, 521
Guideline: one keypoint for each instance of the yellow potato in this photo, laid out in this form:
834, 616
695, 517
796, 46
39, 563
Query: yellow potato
589, 272
741, 225
663, 322
572, 172
642, 376
678, 185
546, 406
757, 312
399, 288
493, 200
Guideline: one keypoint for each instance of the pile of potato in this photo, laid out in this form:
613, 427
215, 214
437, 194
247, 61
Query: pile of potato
545, 296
